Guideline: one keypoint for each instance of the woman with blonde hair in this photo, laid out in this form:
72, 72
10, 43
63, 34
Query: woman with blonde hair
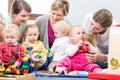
59, 9
97, 28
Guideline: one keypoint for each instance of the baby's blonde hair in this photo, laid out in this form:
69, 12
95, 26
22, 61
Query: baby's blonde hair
74, 27
64, 25
11, 28
32, 26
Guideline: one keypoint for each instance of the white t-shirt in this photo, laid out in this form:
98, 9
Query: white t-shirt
59, 47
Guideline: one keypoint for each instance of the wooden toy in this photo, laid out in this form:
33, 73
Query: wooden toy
113, 72
2, 68
18, 77
25, 66
114, 51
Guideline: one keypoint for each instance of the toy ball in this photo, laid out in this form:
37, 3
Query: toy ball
15, 70
47, 51
12, 66
8, 71
39, 56
25, 63
21, 70
25, 59
18, 72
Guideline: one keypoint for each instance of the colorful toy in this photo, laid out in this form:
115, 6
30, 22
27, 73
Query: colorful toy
2, 68
114, 51
47, 51
84, 46
25, 66
12, 69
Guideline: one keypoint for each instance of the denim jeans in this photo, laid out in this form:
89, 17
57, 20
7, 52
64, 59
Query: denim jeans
45, 65
102, 64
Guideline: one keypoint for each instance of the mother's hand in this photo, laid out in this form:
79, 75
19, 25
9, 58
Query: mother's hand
94, 57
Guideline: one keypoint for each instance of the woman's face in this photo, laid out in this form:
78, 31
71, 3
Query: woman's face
96, 27
57, 15
21, 18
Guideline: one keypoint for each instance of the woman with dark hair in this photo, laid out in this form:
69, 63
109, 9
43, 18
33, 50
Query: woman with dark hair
19, 14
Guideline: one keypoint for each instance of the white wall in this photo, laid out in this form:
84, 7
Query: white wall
78, 9
40, 6
4, 7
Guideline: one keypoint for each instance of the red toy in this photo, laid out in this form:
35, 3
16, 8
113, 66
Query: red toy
12, 69
84, 46
103, 76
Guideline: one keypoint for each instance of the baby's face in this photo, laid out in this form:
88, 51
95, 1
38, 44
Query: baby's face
58, 32
32, 34
77, 34
10, 38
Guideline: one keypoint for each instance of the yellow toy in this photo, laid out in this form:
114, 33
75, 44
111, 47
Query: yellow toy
114, 63
47, 51
2, 68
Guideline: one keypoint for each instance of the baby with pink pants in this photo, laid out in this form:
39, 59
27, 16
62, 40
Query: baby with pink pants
76, 54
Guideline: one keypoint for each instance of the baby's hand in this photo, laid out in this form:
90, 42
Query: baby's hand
38, 60
34, 56
81, 41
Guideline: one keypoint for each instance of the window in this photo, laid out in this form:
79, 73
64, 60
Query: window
39, 7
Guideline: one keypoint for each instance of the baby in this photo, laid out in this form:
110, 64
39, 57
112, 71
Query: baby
76, 54
33, 47
61, 31
11, 52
